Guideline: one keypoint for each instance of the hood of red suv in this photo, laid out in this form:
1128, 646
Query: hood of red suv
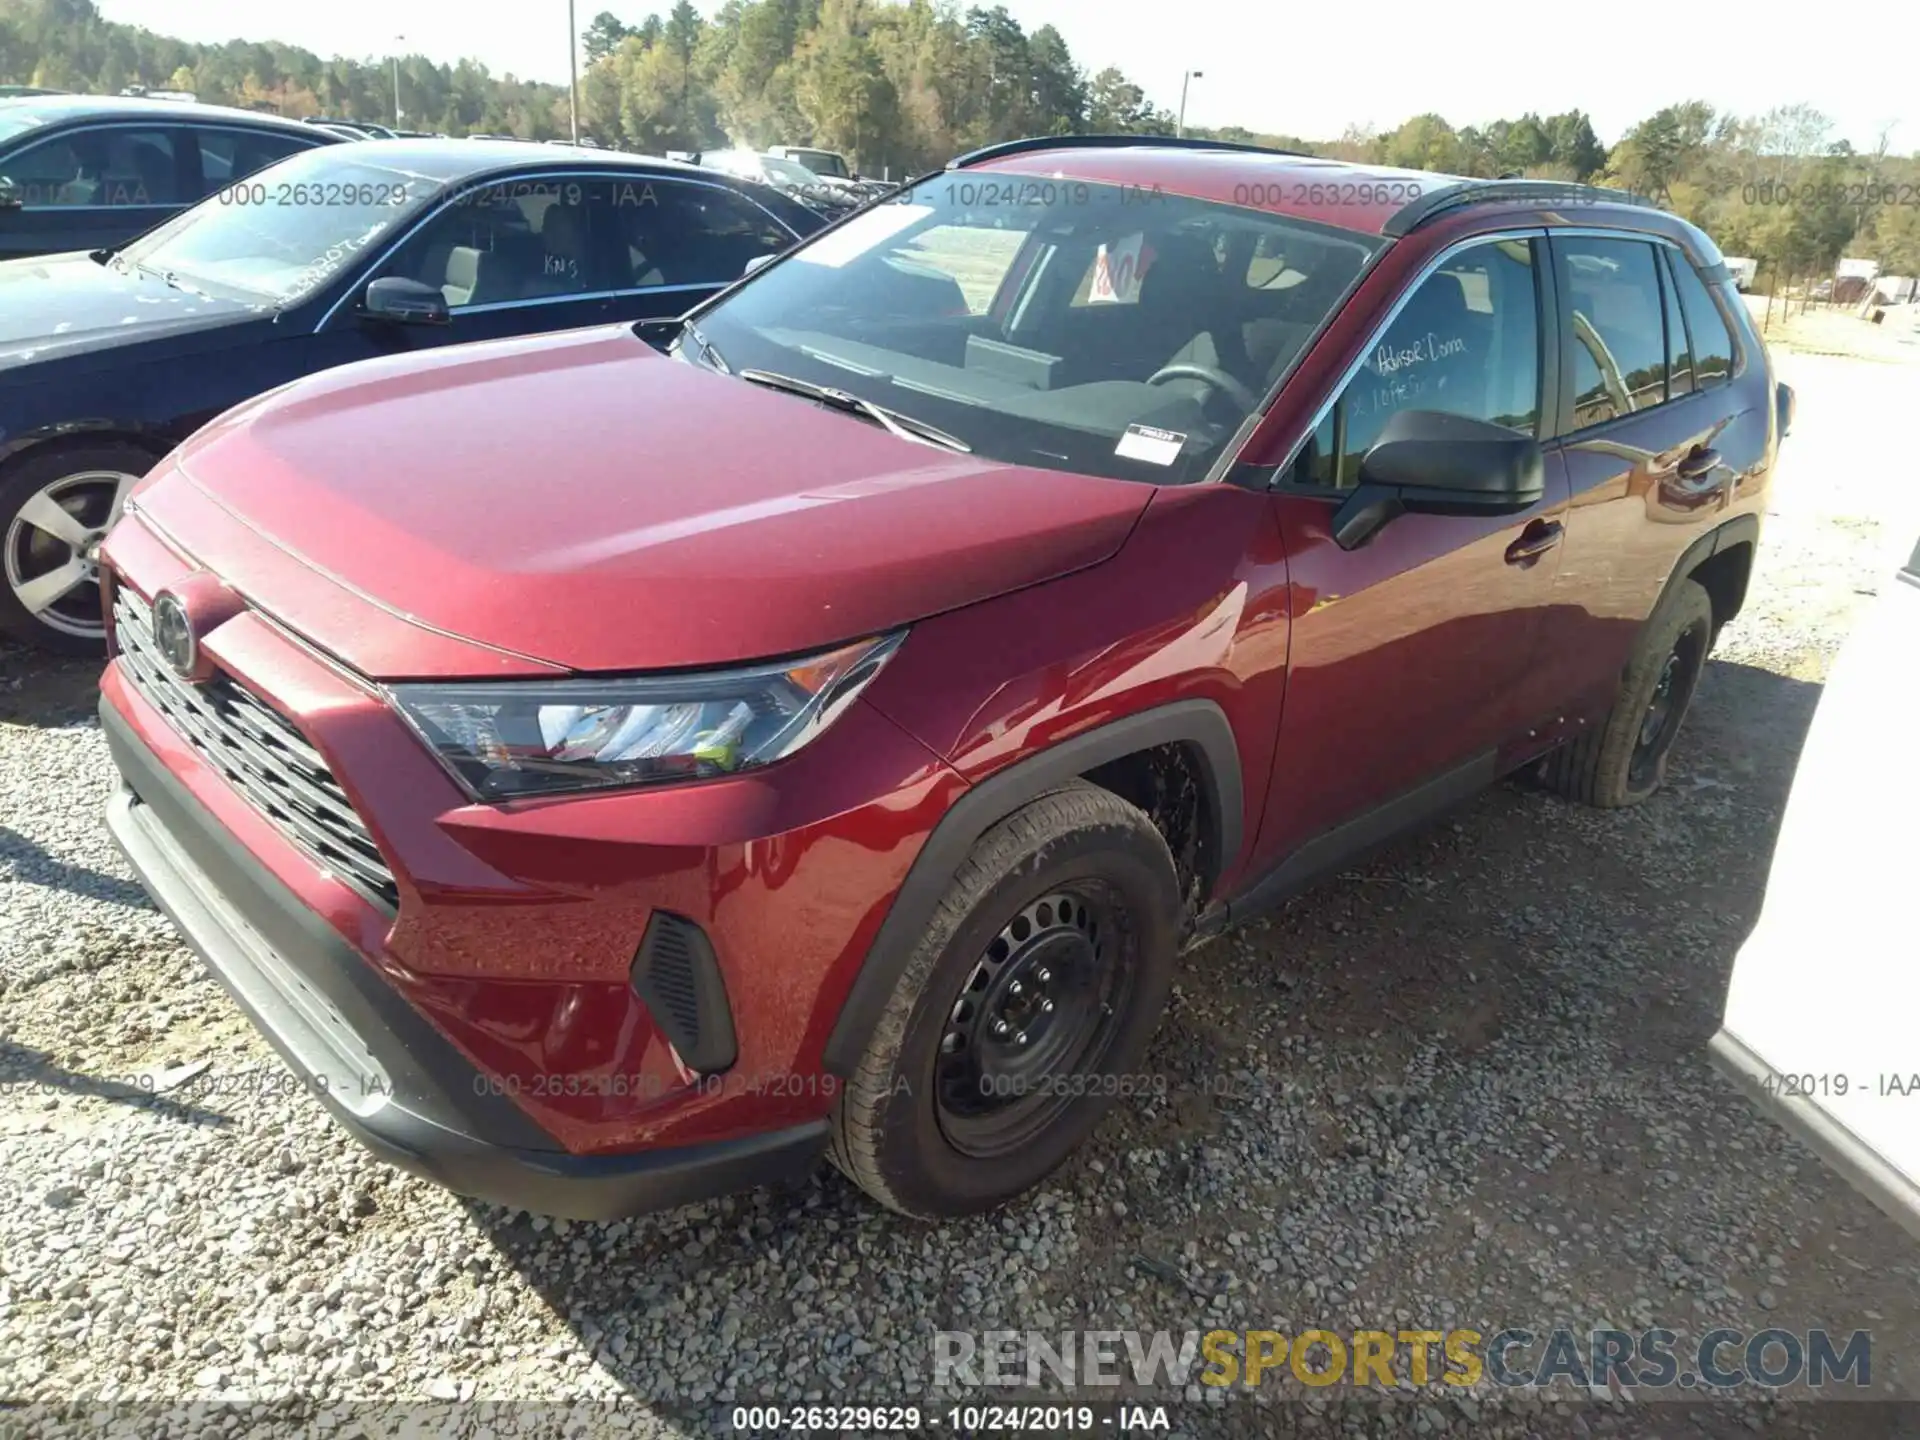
581, 500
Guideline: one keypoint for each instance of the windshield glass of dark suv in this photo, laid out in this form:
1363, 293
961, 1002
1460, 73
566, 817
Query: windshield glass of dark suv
1069, 325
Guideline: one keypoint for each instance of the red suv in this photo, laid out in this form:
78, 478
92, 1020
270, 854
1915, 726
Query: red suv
616, 768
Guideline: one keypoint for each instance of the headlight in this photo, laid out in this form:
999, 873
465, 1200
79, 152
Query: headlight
534, 737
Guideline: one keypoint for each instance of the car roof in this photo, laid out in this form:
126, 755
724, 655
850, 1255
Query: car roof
63, 109
1331, 192
438, 159
1377, 200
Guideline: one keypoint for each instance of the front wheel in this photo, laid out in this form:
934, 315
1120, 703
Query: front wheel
1021, 1014
55, 509
1623, 759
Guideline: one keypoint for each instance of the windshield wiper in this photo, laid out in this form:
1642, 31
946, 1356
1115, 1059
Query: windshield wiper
904, 427
707, 350
171, 279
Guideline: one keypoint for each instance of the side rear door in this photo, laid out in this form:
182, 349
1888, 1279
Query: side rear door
1654, 442
1413, 664
87, 187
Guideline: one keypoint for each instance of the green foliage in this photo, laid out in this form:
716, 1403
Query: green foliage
906, 84
67, 45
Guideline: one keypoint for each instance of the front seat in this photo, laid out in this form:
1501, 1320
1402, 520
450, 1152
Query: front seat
471, 278
1186, 312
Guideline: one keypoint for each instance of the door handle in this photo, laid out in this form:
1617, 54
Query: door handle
1538, 538
1697, 462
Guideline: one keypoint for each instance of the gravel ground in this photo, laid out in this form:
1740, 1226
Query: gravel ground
1465, 1086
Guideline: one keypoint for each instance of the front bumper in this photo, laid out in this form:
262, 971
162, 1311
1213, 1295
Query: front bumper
394, 1082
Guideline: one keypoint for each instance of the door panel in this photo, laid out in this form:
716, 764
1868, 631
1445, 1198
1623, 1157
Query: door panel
1419, 650
1411, 654
1659, 443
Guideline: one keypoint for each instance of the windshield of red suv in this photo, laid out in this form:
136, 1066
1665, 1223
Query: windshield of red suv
1109, 330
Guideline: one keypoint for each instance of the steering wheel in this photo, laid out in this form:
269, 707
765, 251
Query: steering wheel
1208, 375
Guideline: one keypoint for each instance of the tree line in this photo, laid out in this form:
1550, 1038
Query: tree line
901, 87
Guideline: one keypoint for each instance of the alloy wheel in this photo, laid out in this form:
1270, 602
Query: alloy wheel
51, 552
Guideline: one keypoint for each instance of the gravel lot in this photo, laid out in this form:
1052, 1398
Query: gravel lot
1464, 1086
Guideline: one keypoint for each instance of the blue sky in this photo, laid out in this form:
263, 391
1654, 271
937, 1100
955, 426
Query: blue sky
1301, 69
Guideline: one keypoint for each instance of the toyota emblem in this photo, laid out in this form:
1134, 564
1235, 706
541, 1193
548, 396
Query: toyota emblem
173, 635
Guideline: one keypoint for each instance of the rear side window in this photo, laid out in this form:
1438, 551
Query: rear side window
1707, 331
1616, 327
1679, 354
1467, 342
230, 155
669, 232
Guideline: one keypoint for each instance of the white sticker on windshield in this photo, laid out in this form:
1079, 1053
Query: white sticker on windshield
1116, 273
860, 234
1156, 447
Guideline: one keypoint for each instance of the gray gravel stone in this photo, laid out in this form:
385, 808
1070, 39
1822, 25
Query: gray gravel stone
1465, 1085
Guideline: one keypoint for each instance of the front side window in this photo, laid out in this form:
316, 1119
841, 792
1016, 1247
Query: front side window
1617, 328
1467, 342
1060, 324
281, 234
108, 167
506, 241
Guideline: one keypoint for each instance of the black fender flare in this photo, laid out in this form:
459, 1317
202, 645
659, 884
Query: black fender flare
1741, 529
1200, 724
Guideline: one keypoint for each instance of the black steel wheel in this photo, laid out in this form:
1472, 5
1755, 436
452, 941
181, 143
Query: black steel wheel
1022, 1014
1623, 759
1044, 997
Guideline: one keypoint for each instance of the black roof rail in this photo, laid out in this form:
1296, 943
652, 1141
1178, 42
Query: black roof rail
1110, 142
1415, 213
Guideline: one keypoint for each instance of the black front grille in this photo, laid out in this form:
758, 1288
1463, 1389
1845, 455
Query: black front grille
260, 753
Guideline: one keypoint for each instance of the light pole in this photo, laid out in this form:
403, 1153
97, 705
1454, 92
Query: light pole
398, 115
1181, 128
573, 62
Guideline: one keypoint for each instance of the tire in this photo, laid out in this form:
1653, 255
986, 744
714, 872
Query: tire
905, 1128
1621, 761
39, 552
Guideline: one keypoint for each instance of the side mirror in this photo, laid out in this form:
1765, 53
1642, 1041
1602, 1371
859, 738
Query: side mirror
406, 302
755, 263
1429, 462
12, 197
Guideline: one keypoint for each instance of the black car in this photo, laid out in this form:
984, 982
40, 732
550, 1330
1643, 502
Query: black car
108, 359
78, 172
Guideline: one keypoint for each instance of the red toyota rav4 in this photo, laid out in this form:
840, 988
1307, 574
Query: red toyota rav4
617, 768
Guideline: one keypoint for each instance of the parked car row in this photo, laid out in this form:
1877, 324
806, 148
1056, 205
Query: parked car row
622, 765
116, 350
